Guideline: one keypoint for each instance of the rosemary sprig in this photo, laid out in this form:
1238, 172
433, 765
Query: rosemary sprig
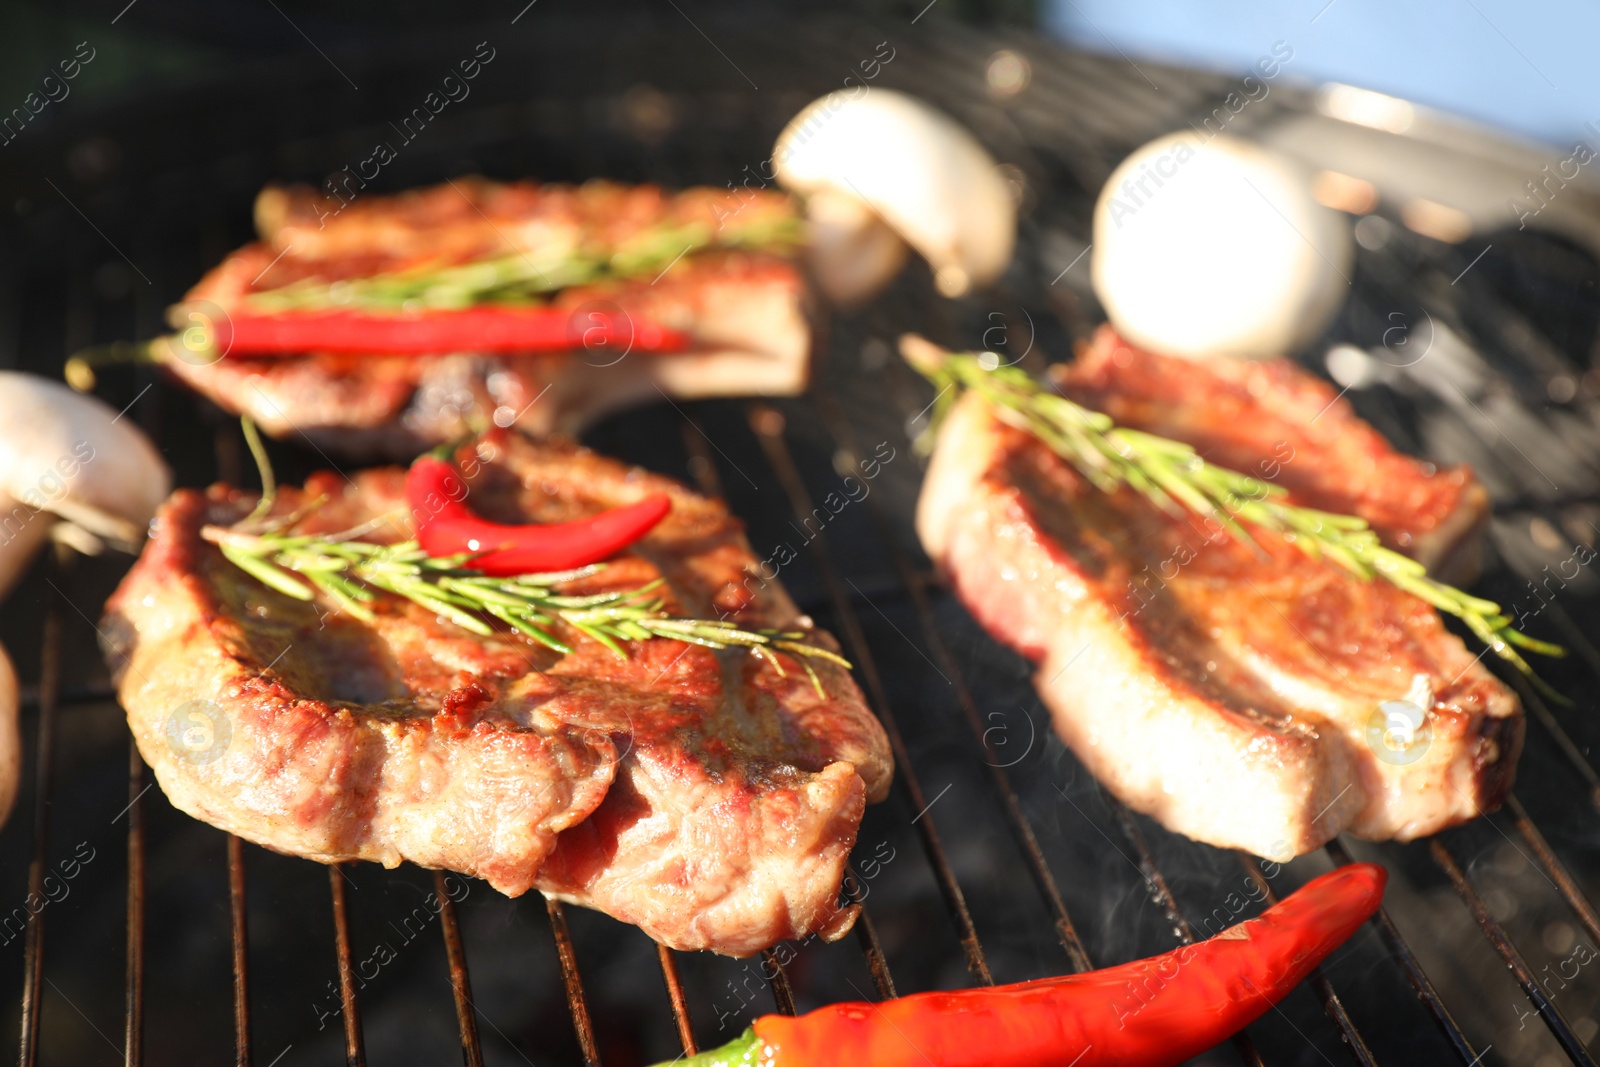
269, 481
524, 277
1173, 477
351, 573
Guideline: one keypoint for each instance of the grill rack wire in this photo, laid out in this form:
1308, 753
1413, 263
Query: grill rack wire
791, 436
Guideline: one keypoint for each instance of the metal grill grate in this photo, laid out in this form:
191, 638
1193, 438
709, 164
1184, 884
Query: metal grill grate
862, 578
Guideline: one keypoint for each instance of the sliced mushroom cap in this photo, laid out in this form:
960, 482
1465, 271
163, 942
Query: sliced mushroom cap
1212, 246
69, 456
10, 737
917, 173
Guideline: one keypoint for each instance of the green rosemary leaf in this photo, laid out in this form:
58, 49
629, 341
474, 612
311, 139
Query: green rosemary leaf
267, 574
1532, 644
690, 637
258, 451
816, 682
486, 594
595, 633
767, 655
344, 595
1347, 559
633, 631
813, 651
526, 626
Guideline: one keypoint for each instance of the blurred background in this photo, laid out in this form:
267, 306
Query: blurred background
1524, 68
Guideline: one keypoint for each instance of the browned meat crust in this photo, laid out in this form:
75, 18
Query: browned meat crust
1273, 420
1236, 697
698, 794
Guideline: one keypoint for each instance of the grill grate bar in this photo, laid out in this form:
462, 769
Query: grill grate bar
680, 1002
782, 991
44, 743
133, 1023
577, 1000
1553, 867
1319, 981
768, 425
1576, 637
1159, 889
915, 585
241, 955
355, 1052
1413, 970
460, 981
867, 935
1569, 748
227, 456
1508, 952
701, 463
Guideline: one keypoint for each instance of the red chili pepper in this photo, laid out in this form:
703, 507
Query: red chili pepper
447, 527
1151, 1013
476, 329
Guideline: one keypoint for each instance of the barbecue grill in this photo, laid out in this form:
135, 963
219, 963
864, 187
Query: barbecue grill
996, 858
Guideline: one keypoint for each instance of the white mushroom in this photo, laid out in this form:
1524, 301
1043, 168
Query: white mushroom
67, 456
878, 167
10, 737
1211, 246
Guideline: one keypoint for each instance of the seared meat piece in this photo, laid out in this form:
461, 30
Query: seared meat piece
1241, 698
698, 794
1273, 420
744, 311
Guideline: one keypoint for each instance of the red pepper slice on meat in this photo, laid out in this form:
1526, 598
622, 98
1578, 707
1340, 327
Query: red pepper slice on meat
475, 329
446, 526
1150, 1013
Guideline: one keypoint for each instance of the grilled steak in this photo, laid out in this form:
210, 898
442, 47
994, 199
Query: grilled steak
1273, 420
1256, 700
698, 794
744, 311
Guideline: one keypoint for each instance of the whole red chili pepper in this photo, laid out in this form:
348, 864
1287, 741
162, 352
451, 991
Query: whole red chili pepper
475, 329
446, 527
1150, 1013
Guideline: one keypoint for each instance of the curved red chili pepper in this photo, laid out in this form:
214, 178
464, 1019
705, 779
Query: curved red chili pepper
476, 329
1150, 1013
446, 526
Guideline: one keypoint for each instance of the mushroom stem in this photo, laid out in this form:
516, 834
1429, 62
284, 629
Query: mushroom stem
852, 252
10, 736
80, 540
